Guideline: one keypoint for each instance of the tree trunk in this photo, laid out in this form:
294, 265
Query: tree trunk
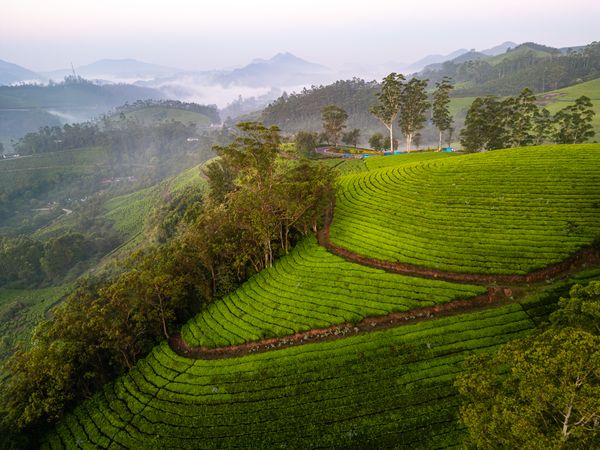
392, 137
440, 142
162, 312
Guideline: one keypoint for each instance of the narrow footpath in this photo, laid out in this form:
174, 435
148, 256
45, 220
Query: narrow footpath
497, 293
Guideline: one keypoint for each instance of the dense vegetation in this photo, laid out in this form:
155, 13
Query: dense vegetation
217, 245
542, 392
302, 111
393, 388
493, 123
372, 390
26, 108
509, 211
257, 207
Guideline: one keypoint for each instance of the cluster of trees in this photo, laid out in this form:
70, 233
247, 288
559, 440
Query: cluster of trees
258, 205
542, 392
398, 102
528, 65
52, 139
494, 123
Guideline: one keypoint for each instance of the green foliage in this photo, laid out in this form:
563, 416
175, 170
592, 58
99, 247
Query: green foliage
334, 119
521, 122
581, 309
542, 392
106, 325
441, 117
485, 125
20, 311
529, 65
351, 137
61, 253
516, 122
574, 123
389, 102
376, 141
543, 127
52, 139
302, 111
548, 399
306, 142
149, 111
503, 212
413, 106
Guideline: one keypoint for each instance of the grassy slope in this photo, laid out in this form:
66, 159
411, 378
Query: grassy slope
508, 211
22, 309
565, 97
392, 388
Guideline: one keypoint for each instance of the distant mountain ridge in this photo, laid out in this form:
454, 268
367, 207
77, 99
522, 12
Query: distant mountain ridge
115, 70
13, 73
535, 66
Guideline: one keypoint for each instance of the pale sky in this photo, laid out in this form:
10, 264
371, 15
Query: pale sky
206, 34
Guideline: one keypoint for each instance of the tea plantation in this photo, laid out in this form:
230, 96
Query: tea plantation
311, 288
502, 212
507, 211
382, 389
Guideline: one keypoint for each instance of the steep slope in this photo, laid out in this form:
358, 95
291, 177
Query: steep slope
390, 388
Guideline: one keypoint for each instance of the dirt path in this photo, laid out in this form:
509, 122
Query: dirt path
587, 256
495, 296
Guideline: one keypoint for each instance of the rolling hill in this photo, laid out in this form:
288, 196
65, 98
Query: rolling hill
560, 98
342, 372
26, 108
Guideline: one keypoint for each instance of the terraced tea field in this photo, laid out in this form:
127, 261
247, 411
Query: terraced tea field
382, 389
311, 288
502, 212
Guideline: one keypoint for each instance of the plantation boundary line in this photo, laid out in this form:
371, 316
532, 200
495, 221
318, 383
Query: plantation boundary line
587, 256
494, 296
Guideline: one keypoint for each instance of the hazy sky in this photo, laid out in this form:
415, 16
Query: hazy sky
205, 34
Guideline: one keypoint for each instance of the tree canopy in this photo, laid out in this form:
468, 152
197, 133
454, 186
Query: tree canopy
541, 392
334, 121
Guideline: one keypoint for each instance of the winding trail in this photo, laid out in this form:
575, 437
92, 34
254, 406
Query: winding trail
496, 295
587, 256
